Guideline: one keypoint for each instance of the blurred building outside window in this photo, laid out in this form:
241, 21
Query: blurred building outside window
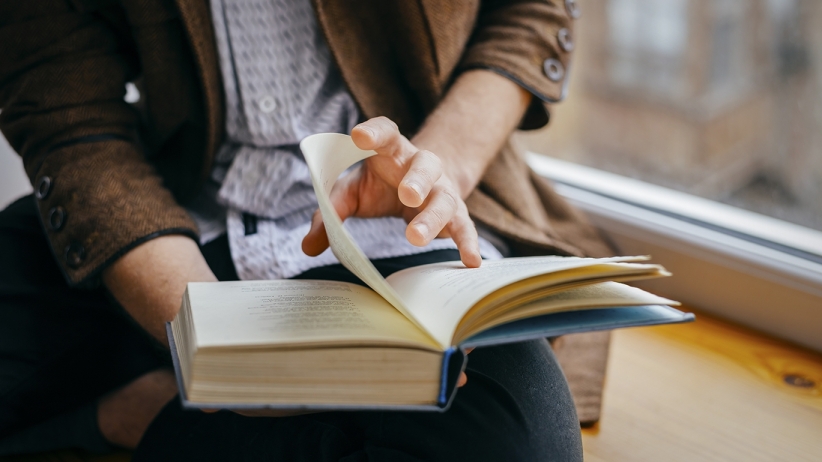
718, 98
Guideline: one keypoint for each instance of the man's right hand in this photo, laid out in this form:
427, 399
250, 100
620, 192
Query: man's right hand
400, 181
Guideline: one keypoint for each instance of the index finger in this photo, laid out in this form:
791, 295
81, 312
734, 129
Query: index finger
424, 170
382, 135
464, 234
379, 134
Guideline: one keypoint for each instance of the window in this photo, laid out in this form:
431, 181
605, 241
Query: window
647, 44
683, 118
721, 99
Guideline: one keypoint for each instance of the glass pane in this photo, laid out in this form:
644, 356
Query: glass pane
718, 98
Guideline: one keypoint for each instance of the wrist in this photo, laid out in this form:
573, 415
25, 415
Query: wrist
471, 125
150, 279
461, 172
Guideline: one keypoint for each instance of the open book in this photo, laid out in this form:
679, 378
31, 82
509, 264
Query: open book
298, 344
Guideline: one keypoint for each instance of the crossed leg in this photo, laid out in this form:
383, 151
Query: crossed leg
76, 371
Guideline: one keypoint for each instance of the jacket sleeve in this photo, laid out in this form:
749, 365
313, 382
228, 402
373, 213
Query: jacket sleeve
62, 84
529, 42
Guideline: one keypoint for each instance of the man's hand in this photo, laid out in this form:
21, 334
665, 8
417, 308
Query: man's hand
401, 181
427, 180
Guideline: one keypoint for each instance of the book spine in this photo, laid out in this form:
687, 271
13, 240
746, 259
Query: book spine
442, 400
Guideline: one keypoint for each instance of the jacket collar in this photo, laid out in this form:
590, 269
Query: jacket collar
355, 37
196, 19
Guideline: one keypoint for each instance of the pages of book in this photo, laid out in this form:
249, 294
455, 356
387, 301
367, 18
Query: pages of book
454, 289
328, 155
451, 289
603, 295
245, 314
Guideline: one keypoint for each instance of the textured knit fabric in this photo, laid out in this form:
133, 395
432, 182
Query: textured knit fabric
584, 358
281, 86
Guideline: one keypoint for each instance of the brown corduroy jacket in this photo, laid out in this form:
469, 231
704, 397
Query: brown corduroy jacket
110, 175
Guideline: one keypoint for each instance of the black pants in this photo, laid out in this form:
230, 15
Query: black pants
61, 349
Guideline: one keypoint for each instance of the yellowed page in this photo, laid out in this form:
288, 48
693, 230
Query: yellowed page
433, 297
600, 295
294, 312
328, 155
440, 294
531, 289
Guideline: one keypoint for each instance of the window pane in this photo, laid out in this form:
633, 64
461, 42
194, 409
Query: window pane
719, 98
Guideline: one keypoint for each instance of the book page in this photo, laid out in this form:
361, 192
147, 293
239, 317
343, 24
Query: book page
449, 289
600, 295
328, 155
295, 312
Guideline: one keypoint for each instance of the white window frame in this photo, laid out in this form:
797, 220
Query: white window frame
752, 269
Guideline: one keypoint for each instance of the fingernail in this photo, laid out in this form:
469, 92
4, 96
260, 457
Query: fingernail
416, 189
422, 229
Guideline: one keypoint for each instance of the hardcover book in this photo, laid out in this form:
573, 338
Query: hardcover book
398, 343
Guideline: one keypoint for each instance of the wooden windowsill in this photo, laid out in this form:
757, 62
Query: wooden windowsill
708, 390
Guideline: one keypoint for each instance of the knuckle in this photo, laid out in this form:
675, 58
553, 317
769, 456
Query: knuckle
423, 174
439, 217
386, 123
450, 198
467, 228
430, 158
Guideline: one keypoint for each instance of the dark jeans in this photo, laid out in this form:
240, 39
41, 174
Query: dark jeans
62, 348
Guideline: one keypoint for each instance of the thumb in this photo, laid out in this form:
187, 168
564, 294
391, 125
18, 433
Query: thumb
316, 241
344, 200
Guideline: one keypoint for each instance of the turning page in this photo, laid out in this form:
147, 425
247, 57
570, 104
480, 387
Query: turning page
328, 155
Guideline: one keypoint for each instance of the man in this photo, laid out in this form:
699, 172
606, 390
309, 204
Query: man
202, 182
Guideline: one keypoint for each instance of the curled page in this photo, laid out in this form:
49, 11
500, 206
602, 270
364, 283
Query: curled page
328, 155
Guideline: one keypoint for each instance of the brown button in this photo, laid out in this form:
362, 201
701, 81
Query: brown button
42, 188
572, 7
57, 218
564, 39
75, 254
553, 69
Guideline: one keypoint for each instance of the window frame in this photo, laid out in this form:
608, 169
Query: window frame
755, 270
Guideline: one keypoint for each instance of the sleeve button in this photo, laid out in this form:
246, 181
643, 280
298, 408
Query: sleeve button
75, 254
572, 8
57, 218
565, 41
554, 70
43, 187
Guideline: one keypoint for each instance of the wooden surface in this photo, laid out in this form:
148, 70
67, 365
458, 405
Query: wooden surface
708, 391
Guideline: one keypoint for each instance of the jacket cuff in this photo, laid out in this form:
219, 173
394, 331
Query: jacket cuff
97, 201
531, 45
